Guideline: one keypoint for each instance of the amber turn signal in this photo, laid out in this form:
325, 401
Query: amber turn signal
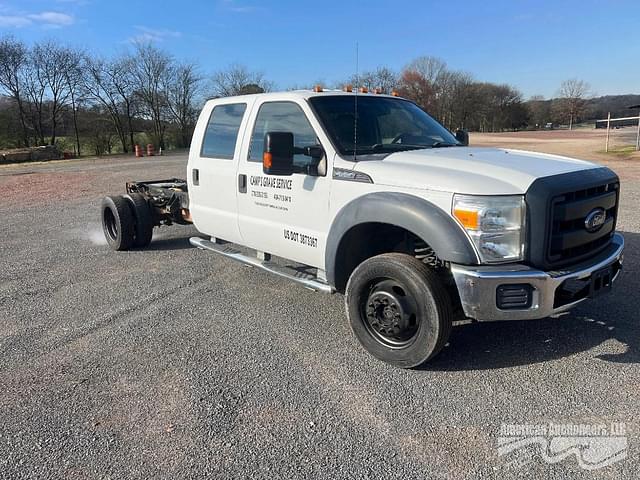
468, 218
267, 160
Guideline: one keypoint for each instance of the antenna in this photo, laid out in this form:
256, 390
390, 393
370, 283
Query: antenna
355, 115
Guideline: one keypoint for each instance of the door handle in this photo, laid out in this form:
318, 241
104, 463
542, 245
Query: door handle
242, 183
195, 175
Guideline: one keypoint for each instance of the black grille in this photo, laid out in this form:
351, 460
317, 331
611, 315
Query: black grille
569, 240
556, 210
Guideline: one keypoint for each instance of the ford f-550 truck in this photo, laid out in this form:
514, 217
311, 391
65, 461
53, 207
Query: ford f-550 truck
367, 195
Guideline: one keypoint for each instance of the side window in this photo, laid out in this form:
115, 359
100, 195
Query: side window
222, 131
282, 117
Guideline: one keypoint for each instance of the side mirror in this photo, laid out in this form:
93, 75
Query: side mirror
463, 137
277, 157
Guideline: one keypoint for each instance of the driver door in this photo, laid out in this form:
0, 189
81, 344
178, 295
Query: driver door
283, 215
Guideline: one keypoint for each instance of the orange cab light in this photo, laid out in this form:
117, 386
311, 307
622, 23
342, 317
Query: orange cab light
348, 88
364, 90
394, 93
267, 159
317, 88
468, 218
378, 91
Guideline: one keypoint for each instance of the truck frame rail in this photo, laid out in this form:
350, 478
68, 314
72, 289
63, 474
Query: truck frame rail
168, 199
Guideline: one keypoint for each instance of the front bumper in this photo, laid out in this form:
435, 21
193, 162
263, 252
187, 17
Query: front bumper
477, 286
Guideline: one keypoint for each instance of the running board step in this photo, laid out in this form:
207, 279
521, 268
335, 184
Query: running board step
230, 251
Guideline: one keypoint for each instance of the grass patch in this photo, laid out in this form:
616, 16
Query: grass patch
623, 150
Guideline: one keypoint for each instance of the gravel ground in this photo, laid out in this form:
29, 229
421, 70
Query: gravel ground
174, 363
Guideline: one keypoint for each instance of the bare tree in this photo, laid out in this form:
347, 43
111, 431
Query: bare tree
51, 61
383, 78
415, 87
13, 62
122, 77
150, 68
182, 88
35, 91
442, 85
432, 69
463, 100
498, 107
99, 85
74, 74
573, 98
539, 110
238, 80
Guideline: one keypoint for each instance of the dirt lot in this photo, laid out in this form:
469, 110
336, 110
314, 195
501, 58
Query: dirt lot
584, 143
169, 362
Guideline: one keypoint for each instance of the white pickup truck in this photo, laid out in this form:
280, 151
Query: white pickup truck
367, 195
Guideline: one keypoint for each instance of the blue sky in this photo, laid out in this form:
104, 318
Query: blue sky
533, 45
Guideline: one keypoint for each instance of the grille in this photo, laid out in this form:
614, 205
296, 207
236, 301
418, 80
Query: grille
569, 241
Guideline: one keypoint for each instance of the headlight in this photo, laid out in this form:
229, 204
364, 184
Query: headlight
495, 224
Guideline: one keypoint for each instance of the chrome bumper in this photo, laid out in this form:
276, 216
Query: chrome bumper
477, 286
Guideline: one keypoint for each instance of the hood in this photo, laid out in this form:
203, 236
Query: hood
471, 170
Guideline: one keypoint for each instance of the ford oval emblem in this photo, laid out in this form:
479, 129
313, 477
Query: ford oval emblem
595, 219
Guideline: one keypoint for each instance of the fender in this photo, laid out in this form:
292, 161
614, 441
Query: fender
414, 214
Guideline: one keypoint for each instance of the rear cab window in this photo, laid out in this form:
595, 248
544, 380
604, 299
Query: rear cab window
221, 135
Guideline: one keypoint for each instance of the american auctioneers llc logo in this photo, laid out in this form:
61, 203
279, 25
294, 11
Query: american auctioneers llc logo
593, 445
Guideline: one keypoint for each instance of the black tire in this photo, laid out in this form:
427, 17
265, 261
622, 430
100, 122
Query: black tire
117, 222
398, 309
143, 219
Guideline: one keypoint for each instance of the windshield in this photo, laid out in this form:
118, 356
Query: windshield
384, 124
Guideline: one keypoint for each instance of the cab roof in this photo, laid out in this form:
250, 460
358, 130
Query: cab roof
299, 95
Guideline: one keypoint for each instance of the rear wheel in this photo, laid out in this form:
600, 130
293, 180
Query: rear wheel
143, 217
117, 222
398, 309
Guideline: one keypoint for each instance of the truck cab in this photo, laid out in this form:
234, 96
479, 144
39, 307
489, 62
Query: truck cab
376, 200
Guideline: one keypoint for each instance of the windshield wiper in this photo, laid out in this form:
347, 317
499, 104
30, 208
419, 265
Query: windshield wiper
395, 147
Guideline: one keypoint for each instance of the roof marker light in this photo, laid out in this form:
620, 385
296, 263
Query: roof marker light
364, 90
317, 88
348, 88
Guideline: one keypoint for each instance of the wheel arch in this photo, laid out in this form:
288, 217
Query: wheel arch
417, 216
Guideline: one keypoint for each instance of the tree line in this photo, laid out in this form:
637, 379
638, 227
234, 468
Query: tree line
55, 91
51, 93
458, 100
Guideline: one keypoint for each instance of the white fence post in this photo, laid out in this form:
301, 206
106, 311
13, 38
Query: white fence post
621, 119
638, 135
606, 146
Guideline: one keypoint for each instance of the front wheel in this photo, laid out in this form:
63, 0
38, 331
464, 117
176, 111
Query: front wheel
398, 309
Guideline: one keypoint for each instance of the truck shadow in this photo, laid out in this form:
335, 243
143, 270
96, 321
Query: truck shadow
613, 316
162, 244
176, 239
